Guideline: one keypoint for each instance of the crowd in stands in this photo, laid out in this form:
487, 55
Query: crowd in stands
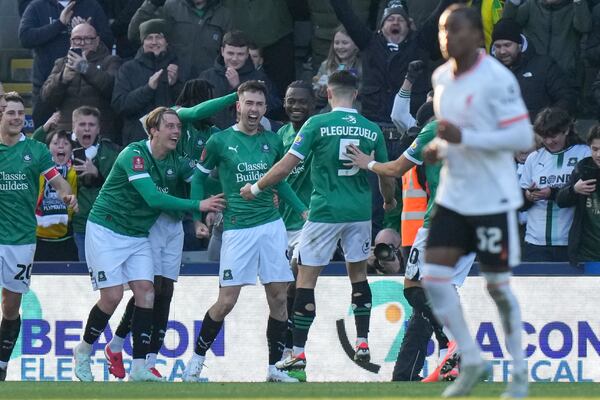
100, 66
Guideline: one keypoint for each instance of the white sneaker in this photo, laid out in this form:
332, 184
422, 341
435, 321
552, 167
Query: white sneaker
143, 375
470, 375
193, 370
287, 353
83, 368
518, 388
276, 375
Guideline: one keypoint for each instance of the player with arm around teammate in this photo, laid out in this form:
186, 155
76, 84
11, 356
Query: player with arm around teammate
118, 250
22, 161
254, 237
338, 208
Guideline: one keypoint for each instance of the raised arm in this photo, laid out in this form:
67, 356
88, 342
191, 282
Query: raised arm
206, 109
360, 34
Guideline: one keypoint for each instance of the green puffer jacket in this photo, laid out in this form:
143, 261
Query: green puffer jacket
264, 21
195, 36
554, 29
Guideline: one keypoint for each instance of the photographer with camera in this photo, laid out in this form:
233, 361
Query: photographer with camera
583, 193
385, 257
86, 75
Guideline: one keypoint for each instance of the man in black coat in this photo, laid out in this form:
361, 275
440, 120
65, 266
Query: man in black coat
46, 27
386, 54
543, 83
232, 68
150, 80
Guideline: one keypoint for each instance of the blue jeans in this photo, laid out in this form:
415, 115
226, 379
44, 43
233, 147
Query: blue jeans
80, 243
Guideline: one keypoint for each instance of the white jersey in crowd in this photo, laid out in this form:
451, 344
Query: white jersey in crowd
479, 177
547, 224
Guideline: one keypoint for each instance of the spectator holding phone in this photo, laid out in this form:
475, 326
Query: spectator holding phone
85, 75
583, 193
93, 158
545, 172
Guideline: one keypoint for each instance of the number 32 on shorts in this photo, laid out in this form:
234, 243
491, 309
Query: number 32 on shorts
489, 239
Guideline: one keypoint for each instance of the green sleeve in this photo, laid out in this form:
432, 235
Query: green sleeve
415, 152
289, 196
206, 109
39, 134
303, 142
155, 199
197, 192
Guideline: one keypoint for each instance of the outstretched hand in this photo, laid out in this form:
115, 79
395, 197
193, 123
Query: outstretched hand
357, 157
213, 203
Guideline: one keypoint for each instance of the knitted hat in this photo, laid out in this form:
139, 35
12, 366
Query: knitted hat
391, 11
153, 26
507, 29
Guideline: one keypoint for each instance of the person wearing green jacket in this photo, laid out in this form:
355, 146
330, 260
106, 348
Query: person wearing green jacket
94, 157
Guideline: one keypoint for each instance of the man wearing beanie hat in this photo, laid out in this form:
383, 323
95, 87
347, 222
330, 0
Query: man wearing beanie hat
386, 54
542, 81
152, 79
157, 26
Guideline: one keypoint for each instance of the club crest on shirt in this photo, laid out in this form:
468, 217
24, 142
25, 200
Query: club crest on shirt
27, 157
170, 173
572, 161
265, 148
350, 119
138, 163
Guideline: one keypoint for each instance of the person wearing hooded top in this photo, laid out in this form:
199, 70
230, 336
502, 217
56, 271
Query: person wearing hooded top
542, 81
232, 68
150, 80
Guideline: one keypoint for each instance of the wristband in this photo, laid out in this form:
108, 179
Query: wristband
254, 189
371, 164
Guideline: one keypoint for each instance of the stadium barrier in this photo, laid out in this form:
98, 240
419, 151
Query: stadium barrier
561, 332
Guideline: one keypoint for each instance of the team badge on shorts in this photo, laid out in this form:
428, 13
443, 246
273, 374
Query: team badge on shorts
227, 275
138, 163
101, 276
366, 246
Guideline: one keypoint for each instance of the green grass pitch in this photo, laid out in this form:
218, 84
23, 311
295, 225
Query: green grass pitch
338, 391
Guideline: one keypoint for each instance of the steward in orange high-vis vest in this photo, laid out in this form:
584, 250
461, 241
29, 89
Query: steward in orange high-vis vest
414, 205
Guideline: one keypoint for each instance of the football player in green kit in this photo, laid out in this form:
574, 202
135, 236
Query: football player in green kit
340, 208
118, 250
22, 161
254, 237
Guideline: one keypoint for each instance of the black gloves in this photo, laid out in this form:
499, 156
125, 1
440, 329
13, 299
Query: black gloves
415, 69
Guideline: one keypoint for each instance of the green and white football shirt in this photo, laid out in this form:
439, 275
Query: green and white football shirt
119, 206
243, 159
299, 181
547, 224
20, 168
341, 193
